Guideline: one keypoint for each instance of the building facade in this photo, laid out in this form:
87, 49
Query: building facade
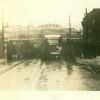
91, 25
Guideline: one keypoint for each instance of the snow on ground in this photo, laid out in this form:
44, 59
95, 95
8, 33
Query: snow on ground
92, 65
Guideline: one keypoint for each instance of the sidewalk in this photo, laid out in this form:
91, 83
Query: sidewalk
92, 65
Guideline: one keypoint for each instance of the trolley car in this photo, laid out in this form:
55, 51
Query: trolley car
51, 46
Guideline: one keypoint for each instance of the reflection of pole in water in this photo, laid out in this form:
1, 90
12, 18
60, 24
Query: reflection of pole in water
69, 68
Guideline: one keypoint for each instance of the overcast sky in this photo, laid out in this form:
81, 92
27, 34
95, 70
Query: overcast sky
45, 11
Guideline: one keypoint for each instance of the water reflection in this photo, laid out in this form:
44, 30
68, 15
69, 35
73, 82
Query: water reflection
27, 63
69, 68
9, 62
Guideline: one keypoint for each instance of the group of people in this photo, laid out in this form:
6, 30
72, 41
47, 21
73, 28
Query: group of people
67, 50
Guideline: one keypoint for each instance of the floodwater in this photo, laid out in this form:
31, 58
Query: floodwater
57, 75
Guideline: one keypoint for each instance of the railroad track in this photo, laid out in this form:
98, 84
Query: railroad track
11, 67
38, 66
37, 73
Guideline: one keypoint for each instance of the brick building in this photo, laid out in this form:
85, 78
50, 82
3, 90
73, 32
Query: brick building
91, 25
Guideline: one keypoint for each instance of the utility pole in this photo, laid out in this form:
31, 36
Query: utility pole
3, 43
86, 24
28, 32
69, 35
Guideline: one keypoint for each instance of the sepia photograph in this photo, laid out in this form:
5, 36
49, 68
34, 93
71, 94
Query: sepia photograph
49, 45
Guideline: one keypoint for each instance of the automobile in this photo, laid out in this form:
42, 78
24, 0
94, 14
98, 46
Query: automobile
52, 46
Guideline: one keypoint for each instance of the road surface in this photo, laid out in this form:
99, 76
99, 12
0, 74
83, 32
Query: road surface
56, 75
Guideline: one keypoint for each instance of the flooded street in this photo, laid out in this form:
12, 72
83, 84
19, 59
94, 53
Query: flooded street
49, 75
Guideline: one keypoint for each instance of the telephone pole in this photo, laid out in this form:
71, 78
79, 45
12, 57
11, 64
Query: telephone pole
86, 24
69, 34
28, 32
3, 43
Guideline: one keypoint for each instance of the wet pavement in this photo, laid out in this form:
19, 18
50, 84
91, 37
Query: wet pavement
56, 75
60, 75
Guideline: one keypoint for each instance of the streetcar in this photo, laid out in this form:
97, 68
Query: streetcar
52, 46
